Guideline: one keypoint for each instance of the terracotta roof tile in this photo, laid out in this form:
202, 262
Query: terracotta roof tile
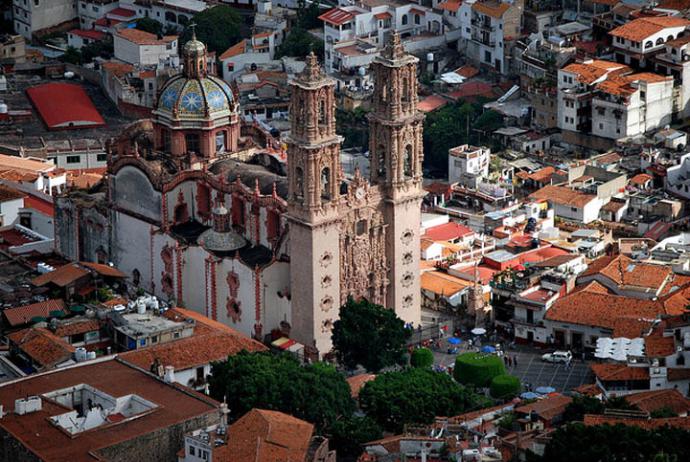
62, 276
236, 49
623, 271
9, 194
79, 327
640, 179
450, 5
42, 346
615, 372
356, 382
656, 346
336, 16
491, 8
268, 436
23, 314
641, 28
650, 401
141, 37
212, 341
678, 373
447, 232
441, 283
547, 408
104, 270
563, 196
590, 71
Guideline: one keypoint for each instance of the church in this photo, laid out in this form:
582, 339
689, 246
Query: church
199, 211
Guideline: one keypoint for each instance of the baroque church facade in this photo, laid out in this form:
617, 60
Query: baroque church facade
198, 212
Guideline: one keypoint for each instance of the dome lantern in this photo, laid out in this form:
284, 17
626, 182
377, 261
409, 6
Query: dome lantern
194, 53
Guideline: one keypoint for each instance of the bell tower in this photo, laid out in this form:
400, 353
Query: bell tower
314, 176
396, 153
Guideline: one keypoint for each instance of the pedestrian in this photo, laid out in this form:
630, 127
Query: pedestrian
505, 360
510, 363
515, 360
583, 356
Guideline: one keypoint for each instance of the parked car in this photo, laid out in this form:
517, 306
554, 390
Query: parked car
557, 357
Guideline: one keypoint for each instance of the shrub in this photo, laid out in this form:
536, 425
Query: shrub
477, 369
504, 386
422, 358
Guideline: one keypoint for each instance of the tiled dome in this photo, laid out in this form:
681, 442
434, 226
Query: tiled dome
185, 97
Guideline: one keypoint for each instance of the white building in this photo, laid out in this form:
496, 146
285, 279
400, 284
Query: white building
171, 13
576, 84
77, 38
256, 50
675, 61
34, 15
40, 173
467, 164
570, 204
638, 40
11, 201
631, 105
678, 178
355, 34
143, 48
493, 23
90, 11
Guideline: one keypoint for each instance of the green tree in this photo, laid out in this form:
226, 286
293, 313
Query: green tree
663, 412
504, 386
316, 393
369, 335
581, 405
422, 357
72, 56
353, 126
149, 25
415, 396
477, 369
218, 27
299, 43
619, 402
576, 442
507, 421
348, 435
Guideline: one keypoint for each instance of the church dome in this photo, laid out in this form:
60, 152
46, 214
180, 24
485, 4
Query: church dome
194, 47
203, 97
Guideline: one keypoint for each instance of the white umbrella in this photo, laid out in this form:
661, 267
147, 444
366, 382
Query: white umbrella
478, 331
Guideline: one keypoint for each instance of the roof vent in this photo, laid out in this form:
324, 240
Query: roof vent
27, 405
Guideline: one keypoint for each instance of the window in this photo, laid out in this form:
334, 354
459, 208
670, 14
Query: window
299, 182
176, 335
142, 342
643, 94
154, 339
408, 162
361, 227
167, 140
192, 142
101, 157
381, 162
192, 451
73, 159
95, 9
416, 19
573, 209
220, 141
404, 20
601, 126
326, 183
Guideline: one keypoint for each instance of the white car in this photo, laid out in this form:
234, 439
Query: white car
557, 357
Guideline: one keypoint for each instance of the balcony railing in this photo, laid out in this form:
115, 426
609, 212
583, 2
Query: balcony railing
483, 40
483, 24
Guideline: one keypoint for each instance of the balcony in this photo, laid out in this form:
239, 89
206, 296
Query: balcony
485, 25
484, 40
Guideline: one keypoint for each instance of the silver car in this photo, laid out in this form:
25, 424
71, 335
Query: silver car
558, 357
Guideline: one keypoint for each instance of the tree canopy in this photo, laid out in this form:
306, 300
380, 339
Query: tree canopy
415, 396
348, 435
299, 42
576, 442
316, 392
456, 124
149, 25
477, 369
581, 405
369, 335
218, 27
422, 357
504, 386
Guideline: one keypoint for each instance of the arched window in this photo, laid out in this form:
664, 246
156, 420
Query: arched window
384, 93
408, 162
659, 41
299, 182
670, 37
326, 183
170, 16
417, 19
322, 112
406, 90
381, 162
648, 44
404, 20
136, 277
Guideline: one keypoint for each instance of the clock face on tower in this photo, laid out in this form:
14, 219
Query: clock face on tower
359, 193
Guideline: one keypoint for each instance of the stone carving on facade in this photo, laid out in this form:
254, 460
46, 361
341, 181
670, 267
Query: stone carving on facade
232, 304
168, 269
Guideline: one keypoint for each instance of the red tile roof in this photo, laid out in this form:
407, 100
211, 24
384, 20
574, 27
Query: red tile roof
471, 90
77, 327
236, 49
447, 232
212, 341
268, 436
641, 28
62, 276
64, 106
450, 5
336, 16
640, 179
650, 401
547, 408
563, 196
431, 103
491, 8
623, 271
141, 37
617, 372
656, 346
24, 314
122, 12
89, 34
104, 270
49, 443
43, 347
